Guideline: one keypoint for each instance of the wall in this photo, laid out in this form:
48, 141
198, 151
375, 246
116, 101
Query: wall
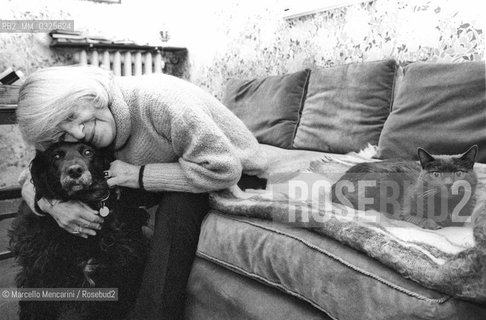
228, 38
135, 20
248, 39
254, 41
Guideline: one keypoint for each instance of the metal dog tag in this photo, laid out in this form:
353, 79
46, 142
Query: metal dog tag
104, 211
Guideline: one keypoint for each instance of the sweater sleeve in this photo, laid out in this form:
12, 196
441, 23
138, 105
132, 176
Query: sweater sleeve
207, 159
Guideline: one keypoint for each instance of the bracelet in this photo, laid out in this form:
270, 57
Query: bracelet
38, 211
140, 178
41, 213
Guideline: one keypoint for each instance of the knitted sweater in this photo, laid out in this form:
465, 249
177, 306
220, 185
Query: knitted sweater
187, 139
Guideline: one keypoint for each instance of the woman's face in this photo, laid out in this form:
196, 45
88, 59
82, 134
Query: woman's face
95, 126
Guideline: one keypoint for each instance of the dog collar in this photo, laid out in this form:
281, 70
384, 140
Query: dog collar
103, 209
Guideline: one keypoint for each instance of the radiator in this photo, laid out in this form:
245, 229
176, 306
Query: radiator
123, 62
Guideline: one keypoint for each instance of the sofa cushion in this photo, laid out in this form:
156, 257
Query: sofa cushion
439, 107
270, 106
338, 280
346, 107
217, 293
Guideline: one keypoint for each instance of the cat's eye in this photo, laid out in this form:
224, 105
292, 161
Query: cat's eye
436, 174
459, 174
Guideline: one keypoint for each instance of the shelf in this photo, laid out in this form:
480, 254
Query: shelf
10, 193
116, 46
8, 196
7, 114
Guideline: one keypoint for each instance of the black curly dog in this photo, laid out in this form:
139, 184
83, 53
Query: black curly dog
51, 257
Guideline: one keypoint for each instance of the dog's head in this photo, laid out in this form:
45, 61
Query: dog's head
70, 171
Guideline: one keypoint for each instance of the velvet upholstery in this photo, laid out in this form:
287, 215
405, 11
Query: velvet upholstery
339, 281
439, 107
217, 293
346, 107
270, 106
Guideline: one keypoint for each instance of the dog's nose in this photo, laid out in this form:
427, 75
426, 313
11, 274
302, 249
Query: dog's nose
75, 171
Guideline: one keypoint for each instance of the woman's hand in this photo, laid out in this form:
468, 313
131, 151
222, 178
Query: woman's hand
74, 217
123, 174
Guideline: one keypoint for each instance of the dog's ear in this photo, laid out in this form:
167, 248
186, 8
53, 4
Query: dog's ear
108, 157
39, 168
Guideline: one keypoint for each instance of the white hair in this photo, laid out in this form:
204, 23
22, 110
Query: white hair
50, 96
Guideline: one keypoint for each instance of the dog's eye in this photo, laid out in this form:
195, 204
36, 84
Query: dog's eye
56, 156
88, 153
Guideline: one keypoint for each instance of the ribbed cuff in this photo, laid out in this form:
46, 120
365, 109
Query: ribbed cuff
166, 177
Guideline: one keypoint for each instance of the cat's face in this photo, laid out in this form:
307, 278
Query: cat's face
444, 171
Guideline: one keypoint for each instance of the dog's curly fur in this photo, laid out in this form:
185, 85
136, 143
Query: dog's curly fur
50, 257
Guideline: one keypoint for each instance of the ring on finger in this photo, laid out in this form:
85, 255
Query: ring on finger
77, 230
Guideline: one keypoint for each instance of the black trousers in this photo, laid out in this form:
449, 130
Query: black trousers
173, 247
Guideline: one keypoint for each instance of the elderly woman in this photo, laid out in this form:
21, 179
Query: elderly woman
169, 137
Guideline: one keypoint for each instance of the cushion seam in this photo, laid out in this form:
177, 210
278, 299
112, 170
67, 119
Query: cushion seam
301, 106
392, 97
262, 279
348, 264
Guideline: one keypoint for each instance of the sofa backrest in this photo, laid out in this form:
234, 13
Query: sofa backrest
440, 107
269, 107
346, 107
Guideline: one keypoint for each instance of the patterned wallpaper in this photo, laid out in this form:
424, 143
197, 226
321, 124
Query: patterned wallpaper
247, 39
435, 31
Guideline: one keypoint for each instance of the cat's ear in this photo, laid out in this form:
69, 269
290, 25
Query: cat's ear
424, 157
470, 155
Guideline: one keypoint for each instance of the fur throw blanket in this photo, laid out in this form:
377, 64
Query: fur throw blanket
451, 260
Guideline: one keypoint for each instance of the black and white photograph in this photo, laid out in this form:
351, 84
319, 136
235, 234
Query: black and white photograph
242, 160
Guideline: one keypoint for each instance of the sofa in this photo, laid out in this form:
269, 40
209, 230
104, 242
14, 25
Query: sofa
254, 266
